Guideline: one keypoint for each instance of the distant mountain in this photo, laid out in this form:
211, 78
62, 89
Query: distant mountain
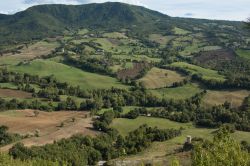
50, 20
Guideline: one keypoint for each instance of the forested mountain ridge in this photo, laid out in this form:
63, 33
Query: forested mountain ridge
44, 20
50, 20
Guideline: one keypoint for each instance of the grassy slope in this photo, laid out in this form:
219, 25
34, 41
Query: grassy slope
235, 97
159, 78
159, 150
68, 74
163, 40
115, 35
179, 31
207, 74
34, 50
8, 85
124, 126
178, 93
243, 53
125, 109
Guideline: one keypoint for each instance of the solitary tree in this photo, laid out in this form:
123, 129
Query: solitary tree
36, 113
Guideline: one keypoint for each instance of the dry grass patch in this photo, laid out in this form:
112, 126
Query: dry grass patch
163, 40
160, 78
27, 53
49, 125
236, 97
14, 94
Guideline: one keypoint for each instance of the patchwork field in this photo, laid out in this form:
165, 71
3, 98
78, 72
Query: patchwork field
160, 78
64, 73
207, 74
235, 97
178, 93
48, 124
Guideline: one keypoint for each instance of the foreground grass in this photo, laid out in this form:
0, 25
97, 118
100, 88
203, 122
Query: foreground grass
207, 74
71, 75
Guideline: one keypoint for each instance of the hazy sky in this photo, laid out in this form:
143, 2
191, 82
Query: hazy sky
211, 9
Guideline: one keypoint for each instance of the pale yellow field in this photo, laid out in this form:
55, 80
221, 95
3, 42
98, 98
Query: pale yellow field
27, 53
47, 123
159, 78
235, 97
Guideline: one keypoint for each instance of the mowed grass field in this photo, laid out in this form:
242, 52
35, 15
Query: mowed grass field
47, 123
235, 97
178, 93
159, 78
64, 73
207, 74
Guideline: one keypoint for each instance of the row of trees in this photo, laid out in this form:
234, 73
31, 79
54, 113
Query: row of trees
94, 65
191, 110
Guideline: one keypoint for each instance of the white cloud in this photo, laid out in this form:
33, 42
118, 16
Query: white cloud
211, 9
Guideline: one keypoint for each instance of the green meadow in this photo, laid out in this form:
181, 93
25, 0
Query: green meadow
207, 74
64, 73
